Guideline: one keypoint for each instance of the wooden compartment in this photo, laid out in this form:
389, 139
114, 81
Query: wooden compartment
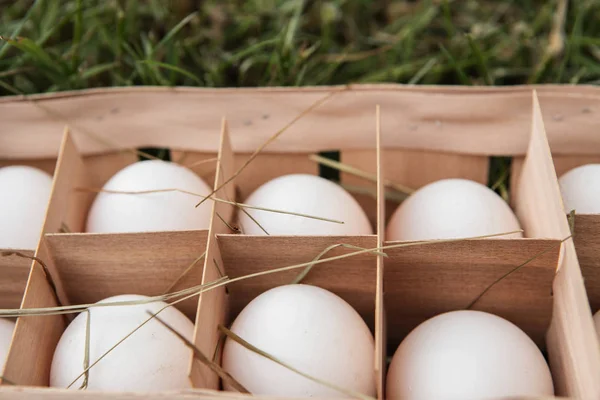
421, 135
84, 268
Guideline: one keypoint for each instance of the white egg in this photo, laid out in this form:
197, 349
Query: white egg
163, 211
152, 359
580, 189
450, 209
7, 328
23, 201
467, 355
305, 194
310, 329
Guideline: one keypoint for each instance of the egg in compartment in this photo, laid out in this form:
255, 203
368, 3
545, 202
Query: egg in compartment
23, 201
151, 204
151, 359
580, 189
467, 355
309, 328
450, 209
304, 194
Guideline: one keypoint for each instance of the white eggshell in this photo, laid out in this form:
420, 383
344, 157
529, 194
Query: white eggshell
164, 211
309, 328
580, 189
467, 355
24, 195
450, 209
7, 328
152, 359
306, 194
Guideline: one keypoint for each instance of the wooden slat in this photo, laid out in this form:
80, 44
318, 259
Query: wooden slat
14, 272
35, 337
213, 305
425, 280
587, 244
474, 121
353, 278
380, 323
572, 342
95, 266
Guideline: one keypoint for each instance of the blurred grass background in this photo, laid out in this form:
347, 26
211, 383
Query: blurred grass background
52, 45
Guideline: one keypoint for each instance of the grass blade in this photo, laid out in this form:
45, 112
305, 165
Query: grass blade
481, 63
172, 68
462, 76
171, 34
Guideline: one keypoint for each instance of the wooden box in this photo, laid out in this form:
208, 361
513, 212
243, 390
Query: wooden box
419, 135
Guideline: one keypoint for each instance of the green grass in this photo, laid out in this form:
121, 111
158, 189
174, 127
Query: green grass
56, 45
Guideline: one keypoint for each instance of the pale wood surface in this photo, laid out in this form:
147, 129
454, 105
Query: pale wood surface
269, 166
587, 244
212, 306
95, 266
380, 323
35, 337
467, 120
353, 278
14, 272
572, 342
425, 280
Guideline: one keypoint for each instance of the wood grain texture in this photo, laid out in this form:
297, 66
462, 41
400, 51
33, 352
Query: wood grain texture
14, 272
353, 278
35, 337
426, 280
212, 306
94, 266
434, 118
573, 346
587, 244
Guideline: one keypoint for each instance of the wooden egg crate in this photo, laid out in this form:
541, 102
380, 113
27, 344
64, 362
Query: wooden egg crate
422, 135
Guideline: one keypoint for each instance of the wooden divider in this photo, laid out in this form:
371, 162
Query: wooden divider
35, 337
380, 322
213, 305
572, 342
87, 267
